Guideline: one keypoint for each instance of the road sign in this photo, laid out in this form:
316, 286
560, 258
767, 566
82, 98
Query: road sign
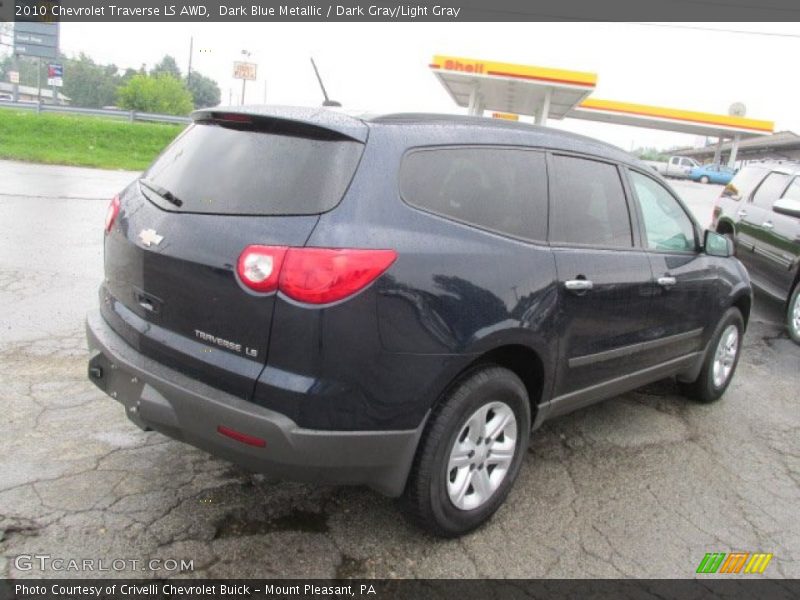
244, 70
36, 39
55, 70
55, 82
13, 76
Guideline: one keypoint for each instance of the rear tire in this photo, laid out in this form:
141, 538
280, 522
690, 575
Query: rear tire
793, 315
719, 364
705, 179
471, 453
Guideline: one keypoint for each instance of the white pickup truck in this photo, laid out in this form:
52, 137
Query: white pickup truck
676, 166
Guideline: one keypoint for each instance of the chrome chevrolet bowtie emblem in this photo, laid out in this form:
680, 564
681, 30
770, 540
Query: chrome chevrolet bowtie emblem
149, 237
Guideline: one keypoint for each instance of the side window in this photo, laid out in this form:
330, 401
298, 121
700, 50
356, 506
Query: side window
685, 162
793, 191
666, 225
588, 204
500, 189
770, 189
743, 183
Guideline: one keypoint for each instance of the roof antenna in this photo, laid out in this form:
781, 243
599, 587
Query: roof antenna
327, 101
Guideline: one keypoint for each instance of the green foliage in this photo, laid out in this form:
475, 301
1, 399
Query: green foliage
80, 140
205, 91
651, 154
95, 85
27, 68
89, 84
161, 93
167, 66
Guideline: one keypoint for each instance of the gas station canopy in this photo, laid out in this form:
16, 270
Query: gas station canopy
655, 117
519, 89
543, 93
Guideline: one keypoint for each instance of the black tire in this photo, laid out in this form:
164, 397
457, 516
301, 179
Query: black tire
794, 300
704, 389
705, 179
426, 501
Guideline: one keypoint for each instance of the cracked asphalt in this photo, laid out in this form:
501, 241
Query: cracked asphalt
640, 486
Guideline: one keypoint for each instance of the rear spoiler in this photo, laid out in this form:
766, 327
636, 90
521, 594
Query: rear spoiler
312, 122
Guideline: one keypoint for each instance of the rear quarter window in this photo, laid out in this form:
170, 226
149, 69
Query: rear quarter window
744, 182
503, 190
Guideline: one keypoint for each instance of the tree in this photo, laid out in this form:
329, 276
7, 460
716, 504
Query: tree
157, 94
167, 66
88, 84
27, 68
205, 91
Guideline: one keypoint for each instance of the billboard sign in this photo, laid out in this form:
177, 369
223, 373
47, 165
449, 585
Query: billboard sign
244, 70
36, 39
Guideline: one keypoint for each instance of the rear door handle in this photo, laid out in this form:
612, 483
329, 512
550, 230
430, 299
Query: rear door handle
666, 281
742, 213
768, 225
578, 285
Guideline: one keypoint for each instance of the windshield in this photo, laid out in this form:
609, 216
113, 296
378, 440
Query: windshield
221, 170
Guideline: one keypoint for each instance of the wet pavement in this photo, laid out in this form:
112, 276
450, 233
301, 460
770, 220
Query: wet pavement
639, 486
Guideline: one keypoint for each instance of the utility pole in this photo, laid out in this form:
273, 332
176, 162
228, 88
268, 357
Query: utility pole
189, 68
15, 92
39, 78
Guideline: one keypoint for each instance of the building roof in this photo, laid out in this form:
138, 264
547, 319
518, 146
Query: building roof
670, 119
29, 90
782, 140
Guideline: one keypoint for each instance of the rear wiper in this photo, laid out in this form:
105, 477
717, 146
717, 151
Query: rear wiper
164, 193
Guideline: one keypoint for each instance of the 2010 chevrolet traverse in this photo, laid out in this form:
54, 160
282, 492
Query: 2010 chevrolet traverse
398, 301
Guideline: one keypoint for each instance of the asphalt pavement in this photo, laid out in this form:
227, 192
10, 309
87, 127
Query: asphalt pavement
642, 485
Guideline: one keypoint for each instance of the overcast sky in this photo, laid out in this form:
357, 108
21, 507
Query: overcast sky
384, 66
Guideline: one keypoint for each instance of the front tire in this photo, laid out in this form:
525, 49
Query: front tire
721, 360
705, 179
793, 315
470, 454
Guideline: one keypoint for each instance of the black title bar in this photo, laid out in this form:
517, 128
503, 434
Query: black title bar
142, 11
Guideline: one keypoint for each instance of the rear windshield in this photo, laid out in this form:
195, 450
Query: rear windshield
215, 169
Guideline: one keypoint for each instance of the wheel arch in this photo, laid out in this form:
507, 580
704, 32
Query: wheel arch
523, 360
744, 302
725, 225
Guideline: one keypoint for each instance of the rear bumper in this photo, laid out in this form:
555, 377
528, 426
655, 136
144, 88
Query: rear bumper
157, 397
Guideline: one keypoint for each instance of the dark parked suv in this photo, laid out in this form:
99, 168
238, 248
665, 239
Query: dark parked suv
760, 210
399, 301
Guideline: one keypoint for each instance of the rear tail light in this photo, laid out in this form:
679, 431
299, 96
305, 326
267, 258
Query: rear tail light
111, 213
259, 267
312, 275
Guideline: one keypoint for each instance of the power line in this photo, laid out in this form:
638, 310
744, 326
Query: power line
716, 29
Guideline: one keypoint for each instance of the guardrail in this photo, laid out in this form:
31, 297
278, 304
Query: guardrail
114, 113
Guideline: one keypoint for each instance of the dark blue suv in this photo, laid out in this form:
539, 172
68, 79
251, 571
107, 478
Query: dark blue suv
398, 301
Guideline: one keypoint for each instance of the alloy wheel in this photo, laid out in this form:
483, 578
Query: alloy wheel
725, 355
481, 455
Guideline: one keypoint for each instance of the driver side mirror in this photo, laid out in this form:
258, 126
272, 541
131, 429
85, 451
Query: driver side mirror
716, 244
787, 206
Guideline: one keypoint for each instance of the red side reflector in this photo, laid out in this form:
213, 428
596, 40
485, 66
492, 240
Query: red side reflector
241, 437
111, 213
